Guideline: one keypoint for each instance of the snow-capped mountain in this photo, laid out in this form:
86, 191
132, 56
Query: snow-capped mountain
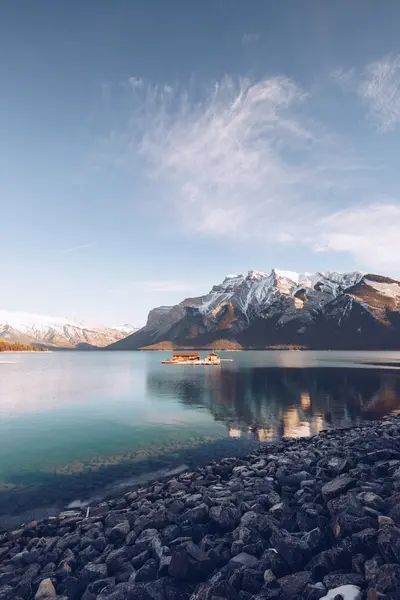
125, 329
54, 331
259, 310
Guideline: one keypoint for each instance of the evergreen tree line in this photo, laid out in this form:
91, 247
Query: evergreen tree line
6, 346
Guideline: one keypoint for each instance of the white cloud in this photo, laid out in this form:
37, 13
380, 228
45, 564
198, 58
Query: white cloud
241, 160
135, 82
81, 247
380, 90
370, 233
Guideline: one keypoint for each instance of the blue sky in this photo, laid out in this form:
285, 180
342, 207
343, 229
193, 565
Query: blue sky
149, 148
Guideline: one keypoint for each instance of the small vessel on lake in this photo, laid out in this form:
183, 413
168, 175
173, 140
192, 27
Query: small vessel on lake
193, 358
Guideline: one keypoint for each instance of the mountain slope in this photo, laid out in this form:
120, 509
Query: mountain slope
57, 332
259, 310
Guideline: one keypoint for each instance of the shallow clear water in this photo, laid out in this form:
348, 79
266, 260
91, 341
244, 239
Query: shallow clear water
72, 423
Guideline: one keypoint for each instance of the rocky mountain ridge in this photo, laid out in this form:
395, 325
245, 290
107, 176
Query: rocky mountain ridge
325, 310
56, 332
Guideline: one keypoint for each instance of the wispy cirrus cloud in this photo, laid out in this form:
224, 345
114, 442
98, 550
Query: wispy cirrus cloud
246, 161
380, 91
80, 247
158, 286
378, 87
227, 156
250, 38
343, 77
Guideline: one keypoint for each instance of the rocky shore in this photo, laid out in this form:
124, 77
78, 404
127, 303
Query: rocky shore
301, 519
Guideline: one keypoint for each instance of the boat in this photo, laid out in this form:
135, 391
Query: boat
193, 358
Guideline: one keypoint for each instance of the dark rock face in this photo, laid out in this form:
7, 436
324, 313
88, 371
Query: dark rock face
292, 521
338, 311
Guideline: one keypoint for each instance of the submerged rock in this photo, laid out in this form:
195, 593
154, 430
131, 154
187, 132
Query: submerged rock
305, 519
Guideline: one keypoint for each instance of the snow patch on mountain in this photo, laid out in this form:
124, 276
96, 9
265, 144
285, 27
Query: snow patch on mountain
292, 275
127, 329
325, 310
392, 290
256, 275
58, 331
255, 292
25, 321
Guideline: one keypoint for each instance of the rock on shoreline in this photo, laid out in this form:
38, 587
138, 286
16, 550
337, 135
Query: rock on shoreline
305, 519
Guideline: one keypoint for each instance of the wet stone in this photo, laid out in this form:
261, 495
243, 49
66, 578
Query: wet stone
199, 514
338, 579
314, 591
119, 531
46, 590
245, 559
337, 487
294, 584
225, 517
387, 579
91, 572
189, 562
302, 519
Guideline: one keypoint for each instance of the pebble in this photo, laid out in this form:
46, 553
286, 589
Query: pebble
46, 590
303, 519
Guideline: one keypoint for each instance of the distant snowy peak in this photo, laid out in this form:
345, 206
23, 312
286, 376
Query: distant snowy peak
24, 321
127, 329
57, 331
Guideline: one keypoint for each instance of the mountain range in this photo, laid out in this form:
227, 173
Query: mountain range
326, 310
54, 332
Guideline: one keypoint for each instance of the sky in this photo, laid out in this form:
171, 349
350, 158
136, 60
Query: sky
149, 148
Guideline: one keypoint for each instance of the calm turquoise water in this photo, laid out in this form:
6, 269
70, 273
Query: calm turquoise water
74, 423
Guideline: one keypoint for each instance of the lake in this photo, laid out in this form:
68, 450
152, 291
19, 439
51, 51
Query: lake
74, 425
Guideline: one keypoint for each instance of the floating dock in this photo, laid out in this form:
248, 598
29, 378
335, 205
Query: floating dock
193, 358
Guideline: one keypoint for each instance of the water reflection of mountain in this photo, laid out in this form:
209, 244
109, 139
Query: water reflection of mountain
267, 403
